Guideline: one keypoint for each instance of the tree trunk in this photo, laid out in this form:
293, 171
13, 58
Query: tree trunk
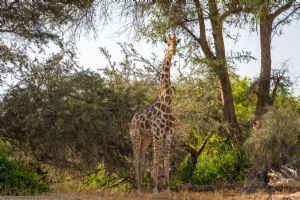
263, 98
222, 73
217, 61
196, 153
228, 106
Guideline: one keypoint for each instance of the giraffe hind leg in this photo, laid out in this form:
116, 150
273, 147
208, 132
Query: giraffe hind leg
156, 155
167, 146
136, 147
144, 146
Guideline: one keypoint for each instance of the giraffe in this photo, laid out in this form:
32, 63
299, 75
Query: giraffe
154, 123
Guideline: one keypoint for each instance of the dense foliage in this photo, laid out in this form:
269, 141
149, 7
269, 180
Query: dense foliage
280, 128
70, 119
70, 123
17, 178
28, 27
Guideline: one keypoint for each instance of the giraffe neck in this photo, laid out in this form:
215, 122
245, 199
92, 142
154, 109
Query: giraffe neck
165, 83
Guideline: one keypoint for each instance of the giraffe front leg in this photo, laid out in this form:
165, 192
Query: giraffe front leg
167, 141
156, 149
144, 146
136, 144
136, 165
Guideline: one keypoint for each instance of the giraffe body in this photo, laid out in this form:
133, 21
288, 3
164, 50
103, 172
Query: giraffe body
154, 123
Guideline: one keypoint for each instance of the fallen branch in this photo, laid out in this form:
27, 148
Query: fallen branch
285, 177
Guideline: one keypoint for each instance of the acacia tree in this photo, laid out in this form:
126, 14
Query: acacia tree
271, 15
269, 20
30, 26
73, 119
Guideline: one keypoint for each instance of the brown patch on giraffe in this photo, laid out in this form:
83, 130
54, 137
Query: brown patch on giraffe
167, 99
168, 109
154, 112
148, 115
157, 104
168, 91
163, 107
159, 115
147, 124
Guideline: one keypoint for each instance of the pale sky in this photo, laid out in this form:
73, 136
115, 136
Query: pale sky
284, 47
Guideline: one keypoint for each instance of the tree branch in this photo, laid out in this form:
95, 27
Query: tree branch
235, 10
205, 140
203, 39
286, 18
197, 39
286, 177
190, 149
196, 153
230, 12
282, 9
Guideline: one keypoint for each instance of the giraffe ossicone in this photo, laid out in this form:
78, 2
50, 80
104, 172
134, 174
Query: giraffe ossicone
154, 123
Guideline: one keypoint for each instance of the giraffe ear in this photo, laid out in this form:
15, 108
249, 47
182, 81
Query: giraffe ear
174, 36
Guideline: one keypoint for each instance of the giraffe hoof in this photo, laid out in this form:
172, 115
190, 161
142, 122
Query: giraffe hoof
169, 194
139, 192
155, 191
168, 191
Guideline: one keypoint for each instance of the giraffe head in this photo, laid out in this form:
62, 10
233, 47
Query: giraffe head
172, 42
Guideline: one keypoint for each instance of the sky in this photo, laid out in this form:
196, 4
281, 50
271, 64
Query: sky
284, 47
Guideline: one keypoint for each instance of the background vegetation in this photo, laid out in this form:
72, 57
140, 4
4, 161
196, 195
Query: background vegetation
60, 123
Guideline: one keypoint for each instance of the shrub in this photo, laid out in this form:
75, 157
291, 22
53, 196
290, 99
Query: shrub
16, 179
226, 166
102, 179
277, 142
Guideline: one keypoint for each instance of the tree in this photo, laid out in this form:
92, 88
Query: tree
73, 119
280, 128
29, 26
271, 15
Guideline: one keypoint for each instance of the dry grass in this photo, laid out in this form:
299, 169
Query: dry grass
79, 192
101, 195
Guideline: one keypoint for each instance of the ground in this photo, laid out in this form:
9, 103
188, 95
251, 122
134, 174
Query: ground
220, 195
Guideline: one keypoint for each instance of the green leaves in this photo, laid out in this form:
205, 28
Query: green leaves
28, 28
72, 118
18, 179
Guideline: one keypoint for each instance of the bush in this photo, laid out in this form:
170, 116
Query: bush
277, 142
16, 179
102, 179
225, 167
222, 167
